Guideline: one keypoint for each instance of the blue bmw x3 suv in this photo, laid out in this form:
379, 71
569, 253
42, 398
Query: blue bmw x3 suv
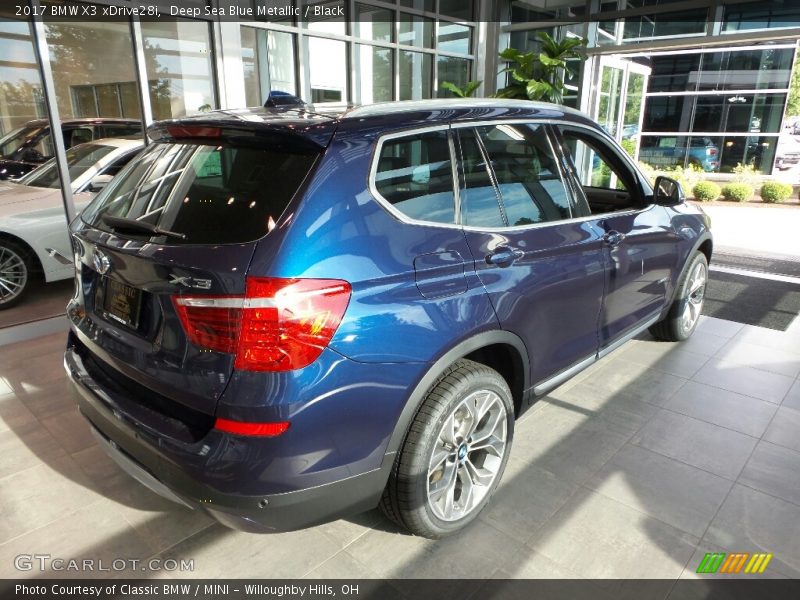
282, 317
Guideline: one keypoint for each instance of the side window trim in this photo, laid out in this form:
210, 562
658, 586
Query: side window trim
568, 169
618, 158
455, 164
385, 203
572, 186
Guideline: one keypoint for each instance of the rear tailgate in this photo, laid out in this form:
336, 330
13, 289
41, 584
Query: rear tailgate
184, 220
127, 317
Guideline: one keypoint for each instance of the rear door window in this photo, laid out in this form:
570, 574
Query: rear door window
212, 194
528, 178
414, 174
529, 187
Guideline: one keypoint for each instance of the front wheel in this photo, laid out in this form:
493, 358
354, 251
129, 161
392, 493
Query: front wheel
455, 452
684, 314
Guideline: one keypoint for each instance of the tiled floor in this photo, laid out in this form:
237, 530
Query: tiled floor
635, 468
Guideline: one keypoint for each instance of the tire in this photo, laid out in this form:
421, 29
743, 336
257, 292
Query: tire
684, 313
15, 273
451, 463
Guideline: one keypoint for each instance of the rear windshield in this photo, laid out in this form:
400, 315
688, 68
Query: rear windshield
210, 194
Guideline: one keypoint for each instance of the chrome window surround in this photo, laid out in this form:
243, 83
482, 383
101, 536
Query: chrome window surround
400, 216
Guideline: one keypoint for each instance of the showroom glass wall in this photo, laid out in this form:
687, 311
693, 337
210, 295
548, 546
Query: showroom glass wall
20, 83
94, 74
380, 51
716, 98
732, 101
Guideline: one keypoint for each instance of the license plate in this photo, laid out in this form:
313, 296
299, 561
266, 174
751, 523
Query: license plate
122, 303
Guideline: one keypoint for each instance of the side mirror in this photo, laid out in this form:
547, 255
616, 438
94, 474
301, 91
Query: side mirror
98, 182
668, 192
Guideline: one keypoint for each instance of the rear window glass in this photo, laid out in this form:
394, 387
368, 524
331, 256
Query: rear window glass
415, 175
210, 194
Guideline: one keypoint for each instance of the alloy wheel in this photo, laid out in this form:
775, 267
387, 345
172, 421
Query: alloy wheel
13, 274
695, 294
467, 456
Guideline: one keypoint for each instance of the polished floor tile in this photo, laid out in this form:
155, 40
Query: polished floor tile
623, 378
25, 447
218, 552
774, 470
396, 555
758, 383
785, 428
44, 493
696, 443
719, 327
668, 358
94, 532
744, 414
676, 493
599, 537
792, 398
766, 358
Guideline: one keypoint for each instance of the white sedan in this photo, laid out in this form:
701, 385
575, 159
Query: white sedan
34, 236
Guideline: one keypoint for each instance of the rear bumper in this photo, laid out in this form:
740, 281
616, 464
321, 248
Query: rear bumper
146, 458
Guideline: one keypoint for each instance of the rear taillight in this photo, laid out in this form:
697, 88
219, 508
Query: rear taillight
278, 325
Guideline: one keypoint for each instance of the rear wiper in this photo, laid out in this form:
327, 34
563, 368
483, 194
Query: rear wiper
123, 224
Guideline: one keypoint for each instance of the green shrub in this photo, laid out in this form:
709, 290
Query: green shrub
745, 174
687, 177
629, 146
706, 191
738, 192
775, 191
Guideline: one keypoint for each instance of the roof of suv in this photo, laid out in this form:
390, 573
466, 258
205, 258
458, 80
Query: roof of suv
318, 125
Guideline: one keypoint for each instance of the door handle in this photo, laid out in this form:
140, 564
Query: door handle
613, 238
504, 256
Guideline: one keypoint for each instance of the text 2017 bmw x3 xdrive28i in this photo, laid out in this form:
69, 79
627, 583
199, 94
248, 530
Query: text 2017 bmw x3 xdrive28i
283, 317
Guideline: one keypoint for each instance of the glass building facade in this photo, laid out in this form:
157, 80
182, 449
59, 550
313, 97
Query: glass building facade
703, 83
380, 51
731, 100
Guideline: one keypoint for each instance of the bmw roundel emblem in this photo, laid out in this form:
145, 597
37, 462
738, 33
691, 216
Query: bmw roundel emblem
101, 262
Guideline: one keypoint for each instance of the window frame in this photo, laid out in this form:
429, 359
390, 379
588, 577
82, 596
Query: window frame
550, 128
562, 172
397, 213
619, 159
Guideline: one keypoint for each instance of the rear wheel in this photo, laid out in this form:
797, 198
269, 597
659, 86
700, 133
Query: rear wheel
455, 452
15, 273
684, 314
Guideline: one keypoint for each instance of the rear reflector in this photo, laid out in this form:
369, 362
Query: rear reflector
278, 325
251, 429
